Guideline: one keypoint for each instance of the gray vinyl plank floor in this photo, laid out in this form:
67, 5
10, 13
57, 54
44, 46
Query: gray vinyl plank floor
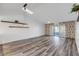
47, 46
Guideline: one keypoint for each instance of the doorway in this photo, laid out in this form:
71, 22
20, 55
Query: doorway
56, 30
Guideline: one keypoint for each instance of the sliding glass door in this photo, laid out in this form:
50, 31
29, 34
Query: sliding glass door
56, 30
62, 30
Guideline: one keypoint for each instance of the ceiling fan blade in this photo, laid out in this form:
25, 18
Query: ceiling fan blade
29, 11
14, 22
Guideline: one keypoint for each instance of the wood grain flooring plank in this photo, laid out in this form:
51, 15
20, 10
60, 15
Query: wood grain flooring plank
42, 46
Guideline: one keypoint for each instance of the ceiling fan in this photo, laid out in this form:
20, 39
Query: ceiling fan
26, 9
14, 22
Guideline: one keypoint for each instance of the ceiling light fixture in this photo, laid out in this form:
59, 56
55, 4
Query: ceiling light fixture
27, 10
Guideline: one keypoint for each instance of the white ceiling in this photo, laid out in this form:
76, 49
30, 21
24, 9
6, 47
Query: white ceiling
43, 12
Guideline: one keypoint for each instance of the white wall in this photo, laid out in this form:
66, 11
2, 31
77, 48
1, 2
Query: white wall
13, 12
13, 34
77, 34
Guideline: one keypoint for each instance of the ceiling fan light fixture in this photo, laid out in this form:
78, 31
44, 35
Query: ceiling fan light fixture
25, 5
27, 10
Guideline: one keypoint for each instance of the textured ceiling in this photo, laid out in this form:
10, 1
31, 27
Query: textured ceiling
43, 12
